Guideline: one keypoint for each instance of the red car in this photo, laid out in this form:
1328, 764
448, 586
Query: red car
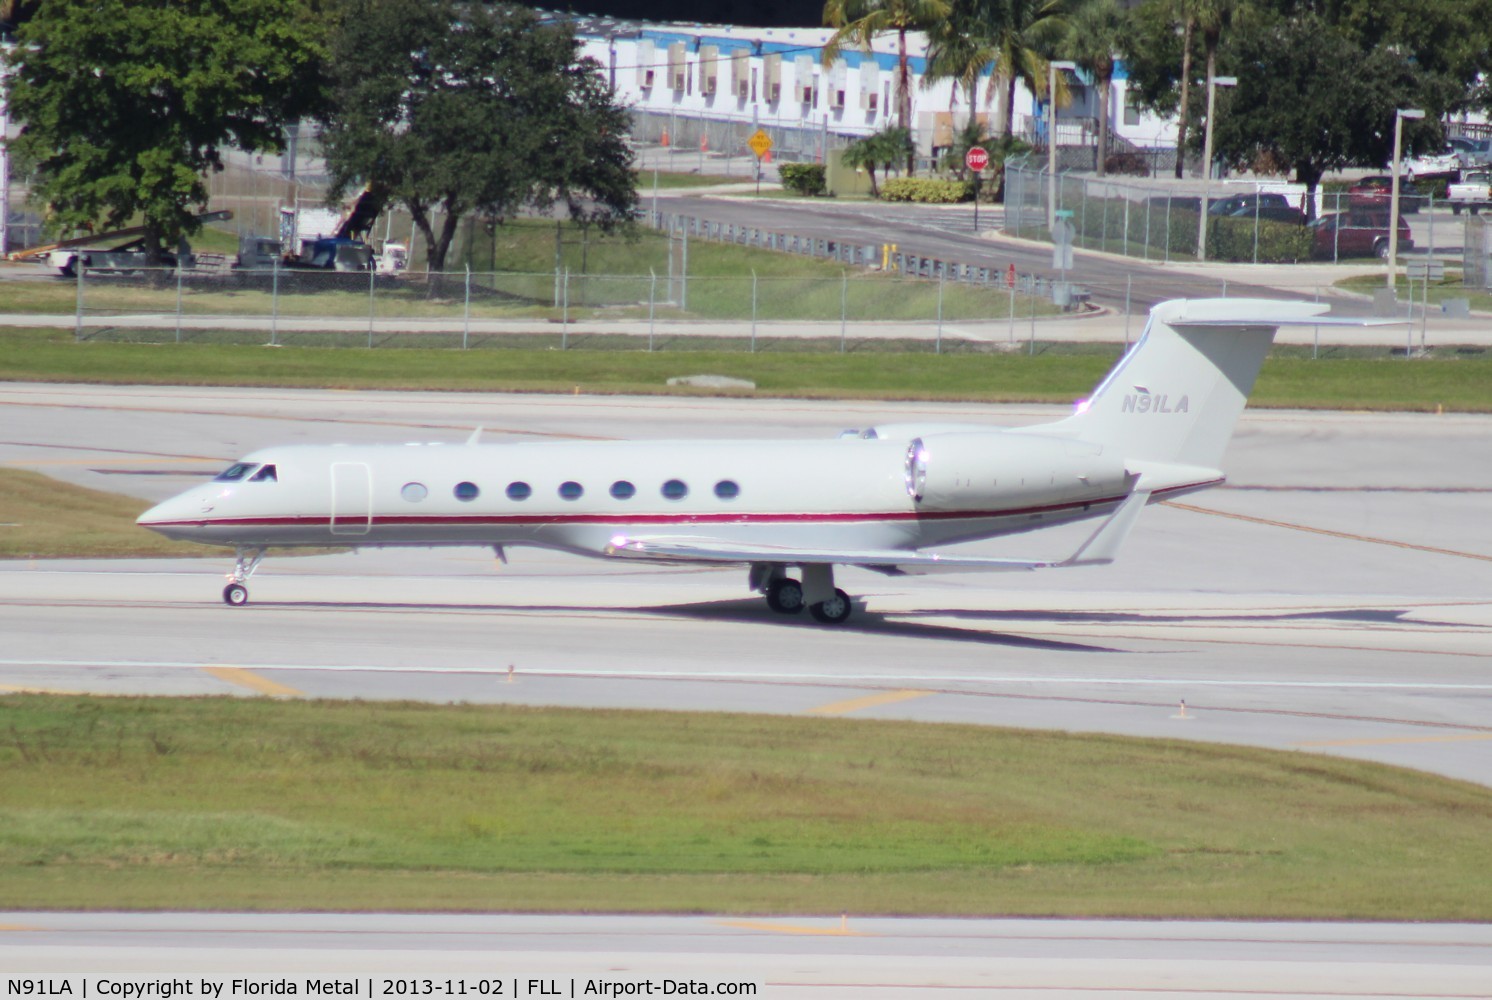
1378, 189
1357, 232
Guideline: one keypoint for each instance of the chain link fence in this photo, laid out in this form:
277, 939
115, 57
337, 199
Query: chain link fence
1255, 222
282, 306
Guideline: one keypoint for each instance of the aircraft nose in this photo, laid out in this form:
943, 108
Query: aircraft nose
178, 516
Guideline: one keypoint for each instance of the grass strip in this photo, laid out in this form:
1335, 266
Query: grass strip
1365, 378
45, 518
207, 803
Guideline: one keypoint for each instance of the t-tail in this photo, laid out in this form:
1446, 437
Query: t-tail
1175, 398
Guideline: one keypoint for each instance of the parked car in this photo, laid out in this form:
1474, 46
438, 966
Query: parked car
1474, 193
1442, 164
1472, 152
1377, 190
1357, 232
1274, 207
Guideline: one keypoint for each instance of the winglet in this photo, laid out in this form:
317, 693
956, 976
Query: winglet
474, 435
1102, 547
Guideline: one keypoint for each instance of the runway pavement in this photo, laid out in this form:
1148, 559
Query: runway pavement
784, 959
1334, 598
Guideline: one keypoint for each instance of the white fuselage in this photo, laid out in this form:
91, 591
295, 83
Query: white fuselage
847, 493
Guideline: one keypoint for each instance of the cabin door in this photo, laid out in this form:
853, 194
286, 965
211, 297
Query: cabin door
352, 498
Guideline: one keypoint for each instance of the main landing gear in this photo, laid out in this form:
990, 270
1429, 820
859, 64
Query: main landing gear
236, 594
787, 596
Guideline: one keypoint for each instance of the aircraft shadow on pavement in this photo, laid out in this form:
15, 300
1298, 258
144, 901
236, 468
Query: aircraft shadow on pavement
866, 622
1361, 616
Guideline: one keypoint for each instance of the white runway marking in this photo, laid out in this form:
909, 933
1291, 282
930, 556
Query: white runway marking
837, 680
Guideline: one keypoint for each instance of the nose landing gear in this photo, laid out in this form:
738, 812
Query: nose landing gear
236, 594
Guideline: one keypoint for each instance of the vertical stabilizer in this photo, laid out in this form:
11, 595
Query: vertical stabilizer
1176, 396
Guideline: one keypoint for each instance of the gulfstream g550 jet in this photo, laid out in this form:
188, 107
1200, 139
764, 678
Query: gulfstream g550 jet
791, 511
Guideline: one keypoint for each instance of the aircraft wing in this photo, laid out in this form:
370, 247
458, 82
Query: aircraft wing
1097, 550
672, 549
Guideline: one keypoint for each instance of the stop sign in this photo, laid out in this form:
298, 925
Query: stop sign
977, 158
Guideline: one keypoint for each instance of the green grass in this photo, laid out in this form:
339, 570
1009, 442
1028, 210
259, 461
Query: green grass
226, 803
46, 518
1448, 288
513, 277
1345, 378
673, 179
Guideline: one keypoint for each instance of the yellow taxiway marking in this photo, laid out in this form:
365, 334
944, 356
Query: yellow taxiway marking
251, 680
16, 927
752, 925
35, 690
1328, 532
1389, 740
869, 701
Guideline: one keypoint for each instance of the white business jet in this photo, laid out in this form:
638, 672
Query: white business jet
791, 511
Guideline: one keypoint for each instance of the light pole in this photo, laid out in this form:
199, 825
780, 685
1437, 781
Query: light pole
1051, 137
1212, 84
1393, 195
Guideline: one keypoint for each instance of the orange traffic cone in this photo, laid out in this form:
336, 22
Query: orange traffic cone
704, 143
665, 137
767, 156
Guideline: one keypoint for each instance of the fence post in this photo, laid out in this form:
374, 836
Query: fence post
178, 300
652, 301
565, 313
274, 303
1129, 282
844, 298
938, 341
1012, 315
371, 274
78, 268
753, 310
684, 278
466, 310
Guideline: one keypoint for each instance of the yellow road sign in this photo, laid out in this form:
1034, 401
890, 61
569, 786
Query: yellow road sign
760, 143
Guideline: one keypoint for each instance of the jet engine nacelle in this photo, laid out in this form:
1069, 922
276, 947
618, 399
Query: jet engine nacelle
989, 471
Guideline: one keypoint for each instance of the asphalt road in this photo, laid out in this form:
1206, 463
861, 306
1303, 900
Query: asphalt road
784, 958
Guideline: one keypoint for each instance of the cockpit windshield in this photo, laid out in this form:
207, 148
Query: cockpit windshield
235, 472
266, 474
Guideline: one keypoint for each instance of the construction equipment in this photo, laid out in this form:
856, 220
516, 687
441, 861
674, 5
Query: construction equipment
127, 256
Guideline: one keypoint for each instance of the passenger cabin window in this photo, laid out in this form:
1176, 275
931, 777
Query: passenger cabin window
235, 472
623, 490
675, 489
467, 492
727, 489
414, 492
571, 491
520, 491
266, 474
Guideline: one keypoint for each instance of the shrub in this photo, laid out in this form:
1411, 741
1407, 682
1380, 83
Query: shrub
1279, 242
1132, 164
927, 190
806, 179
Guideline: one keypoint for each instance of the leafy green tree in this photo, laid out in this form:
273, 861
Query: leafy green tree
127, 104
1095, 33
1314, 98
457, 108
858, 22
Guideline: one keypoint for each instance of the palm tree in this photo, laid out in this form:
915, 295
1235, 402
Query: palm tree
957, 50
860, 21
1019, 31
878, 151
1210, 18
1094, 33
